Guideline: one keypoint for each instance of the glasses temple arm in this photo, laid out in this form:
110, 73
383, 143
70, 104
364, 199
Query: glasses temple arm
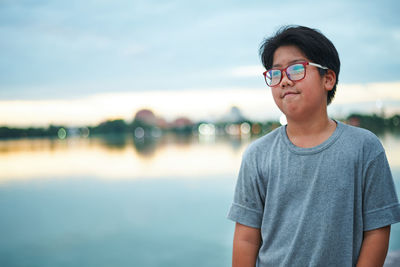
317, 65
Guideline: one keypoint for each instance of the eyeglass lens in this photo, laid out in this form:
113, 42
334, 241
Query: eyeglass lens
294, 72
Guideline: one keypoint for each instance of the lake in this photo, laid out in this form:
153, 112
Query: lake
115, 201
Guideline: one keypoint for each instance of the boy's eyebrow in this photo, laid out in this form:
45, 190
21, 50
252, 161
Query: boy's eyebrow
290, 62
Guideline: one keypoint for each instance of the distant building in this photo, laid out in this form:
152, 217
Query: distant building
234, 116
147, 116
181, 122
354, 121
162, 123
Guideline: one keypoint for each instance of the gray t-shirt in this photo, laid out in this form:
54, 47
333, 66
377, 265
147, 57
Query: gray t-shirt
313, 204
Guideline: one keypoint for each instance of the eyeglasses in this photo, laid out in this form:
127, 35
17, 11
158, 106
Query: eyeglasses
294, 72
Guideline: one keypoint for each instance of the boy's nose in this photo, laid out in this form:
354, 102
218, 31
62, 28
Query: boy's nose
285, 80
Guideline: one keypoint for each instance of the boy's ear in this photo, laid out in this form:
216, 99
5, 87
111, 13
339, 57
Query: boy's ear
329, 80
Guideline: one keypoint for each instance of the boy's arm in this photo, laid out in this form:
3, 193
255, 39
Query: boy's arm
374, 247
246, 243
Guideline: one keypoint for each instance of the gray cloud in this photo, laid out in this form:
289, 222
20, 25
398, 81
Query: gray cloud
155, 45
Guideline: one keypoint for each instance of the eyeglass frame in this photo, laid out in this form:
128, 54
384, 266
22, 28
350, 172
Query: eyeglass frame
305, 63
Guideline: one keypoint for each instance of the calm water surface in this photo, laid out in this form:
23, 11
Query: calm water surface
115, 202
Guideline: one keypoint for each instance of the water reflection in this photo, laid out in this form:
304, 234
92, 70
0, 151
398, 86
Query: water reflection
391, 143
124, 156
66, 213
114, 141
147, 146
119, 156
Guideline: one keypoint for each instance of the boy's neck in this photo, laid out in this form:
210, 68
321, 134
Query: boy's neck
311, 132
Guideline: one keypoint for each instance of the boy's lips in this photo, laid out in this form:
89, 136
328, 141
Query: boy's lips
289, 93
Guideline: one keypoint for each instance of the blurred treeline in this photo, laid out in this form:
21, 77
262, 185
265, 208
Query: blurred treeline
143, 129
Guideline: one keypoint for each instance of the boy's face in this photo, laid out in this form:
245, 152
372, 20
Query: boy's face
301, 99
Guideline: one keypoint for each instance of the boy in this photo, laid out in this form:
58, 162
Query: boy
315, 192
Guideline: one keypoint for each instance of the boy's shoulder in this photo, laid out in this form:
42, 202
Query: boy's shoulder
357, 144
360, 137
350, 138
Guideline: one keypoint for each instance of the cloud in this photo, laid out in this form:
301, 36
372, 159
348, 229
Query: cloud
132, 49
357, 93
198, 104
124, 42
247, 71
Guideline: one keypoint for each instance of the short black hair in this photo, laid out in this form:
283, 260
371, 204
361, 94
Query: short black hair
315, 46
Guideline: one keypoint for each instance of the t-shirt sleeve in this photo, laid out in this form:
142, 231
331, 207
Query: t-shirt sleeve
248, 203
380, 202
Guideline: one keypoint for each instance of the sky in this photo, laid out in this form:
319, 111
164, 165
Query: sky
80, 62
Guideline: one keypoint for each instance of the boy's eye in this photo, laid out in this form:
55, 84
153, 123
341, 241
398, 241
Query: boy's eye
295, 72
296, 68
275, 73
